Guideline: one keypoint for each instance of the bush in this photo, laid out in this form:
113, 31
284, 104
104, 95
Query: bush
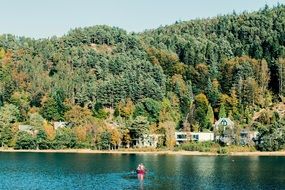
65, 138
272, 137
25, 141
223, 150
235, 148
199, 146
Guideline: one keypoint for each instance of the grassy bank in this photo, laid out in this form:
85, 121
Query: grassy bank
214, 148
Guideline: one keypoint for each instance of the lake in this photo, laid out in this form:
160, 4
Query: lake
113, 171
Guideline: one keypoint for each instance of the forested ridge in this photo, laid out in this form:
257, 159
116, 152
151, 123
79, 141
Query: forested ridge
114, 86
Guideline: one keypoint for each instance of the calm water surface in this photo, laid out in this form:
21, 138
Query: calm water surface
106, 171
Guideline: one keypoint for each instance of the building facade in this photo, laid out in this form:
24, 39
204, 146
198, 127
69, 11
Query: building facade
182, 137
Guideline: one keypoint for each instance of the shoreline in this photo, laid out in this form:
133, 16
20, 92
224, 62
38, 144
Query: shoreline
159, 152
89, 151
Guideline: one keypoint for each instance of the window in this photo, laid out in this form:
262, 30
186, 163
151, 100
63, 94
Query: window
224, 122
181, 136
195, 137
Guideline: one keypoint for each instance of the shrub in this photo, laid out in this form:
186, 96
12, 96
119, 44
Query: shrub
199, 146
223, 150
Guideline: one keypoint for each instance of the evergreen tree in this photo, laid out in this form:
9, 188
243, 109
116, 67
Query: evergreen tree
222, 111
210, 116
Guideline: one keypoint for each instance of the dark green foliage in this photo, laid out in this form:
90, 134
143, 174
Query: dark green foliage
105, 140
140, 110
272, 137
100, 35
148, 108
54, 108
135, 79
139, 127
153, 108
42, 141
9, 114
213, 92
51, 110
65, 138
5, 136
25, 141
99, 112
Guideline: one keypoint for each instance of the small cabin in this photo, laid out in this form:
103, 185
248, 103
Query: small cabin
28, 129
61, 124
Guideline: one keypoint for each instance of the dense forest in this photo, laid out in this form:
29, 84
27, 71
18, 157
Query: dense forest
113, 85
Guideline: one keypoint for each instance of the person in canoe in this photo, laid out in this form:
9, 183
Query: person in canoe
141, 170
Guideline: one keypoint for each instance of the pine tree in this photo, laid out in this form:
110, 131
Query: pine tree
210, 114
281, 67
222, 112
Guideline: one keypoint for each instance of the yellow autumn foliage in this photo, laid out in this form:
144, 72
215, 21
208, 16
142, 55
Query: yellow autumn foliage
50, 131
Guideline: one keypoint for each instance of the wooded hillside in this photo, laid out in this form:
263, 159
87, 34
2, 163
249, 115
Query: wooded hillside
113, 85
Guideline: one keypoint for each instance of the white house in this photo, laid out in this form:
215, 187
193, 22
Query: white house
202, 136
25, 128
224, 129
28, 129
60, 124
182, 137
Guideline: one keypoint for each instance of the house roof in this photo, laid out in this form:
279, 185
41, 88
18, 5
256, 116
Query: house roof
61, 124
25, 127
224, 121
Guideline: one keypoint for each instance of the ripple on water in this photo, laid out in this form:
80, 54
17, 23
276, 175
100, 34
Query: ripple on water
88, 171
73, 181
